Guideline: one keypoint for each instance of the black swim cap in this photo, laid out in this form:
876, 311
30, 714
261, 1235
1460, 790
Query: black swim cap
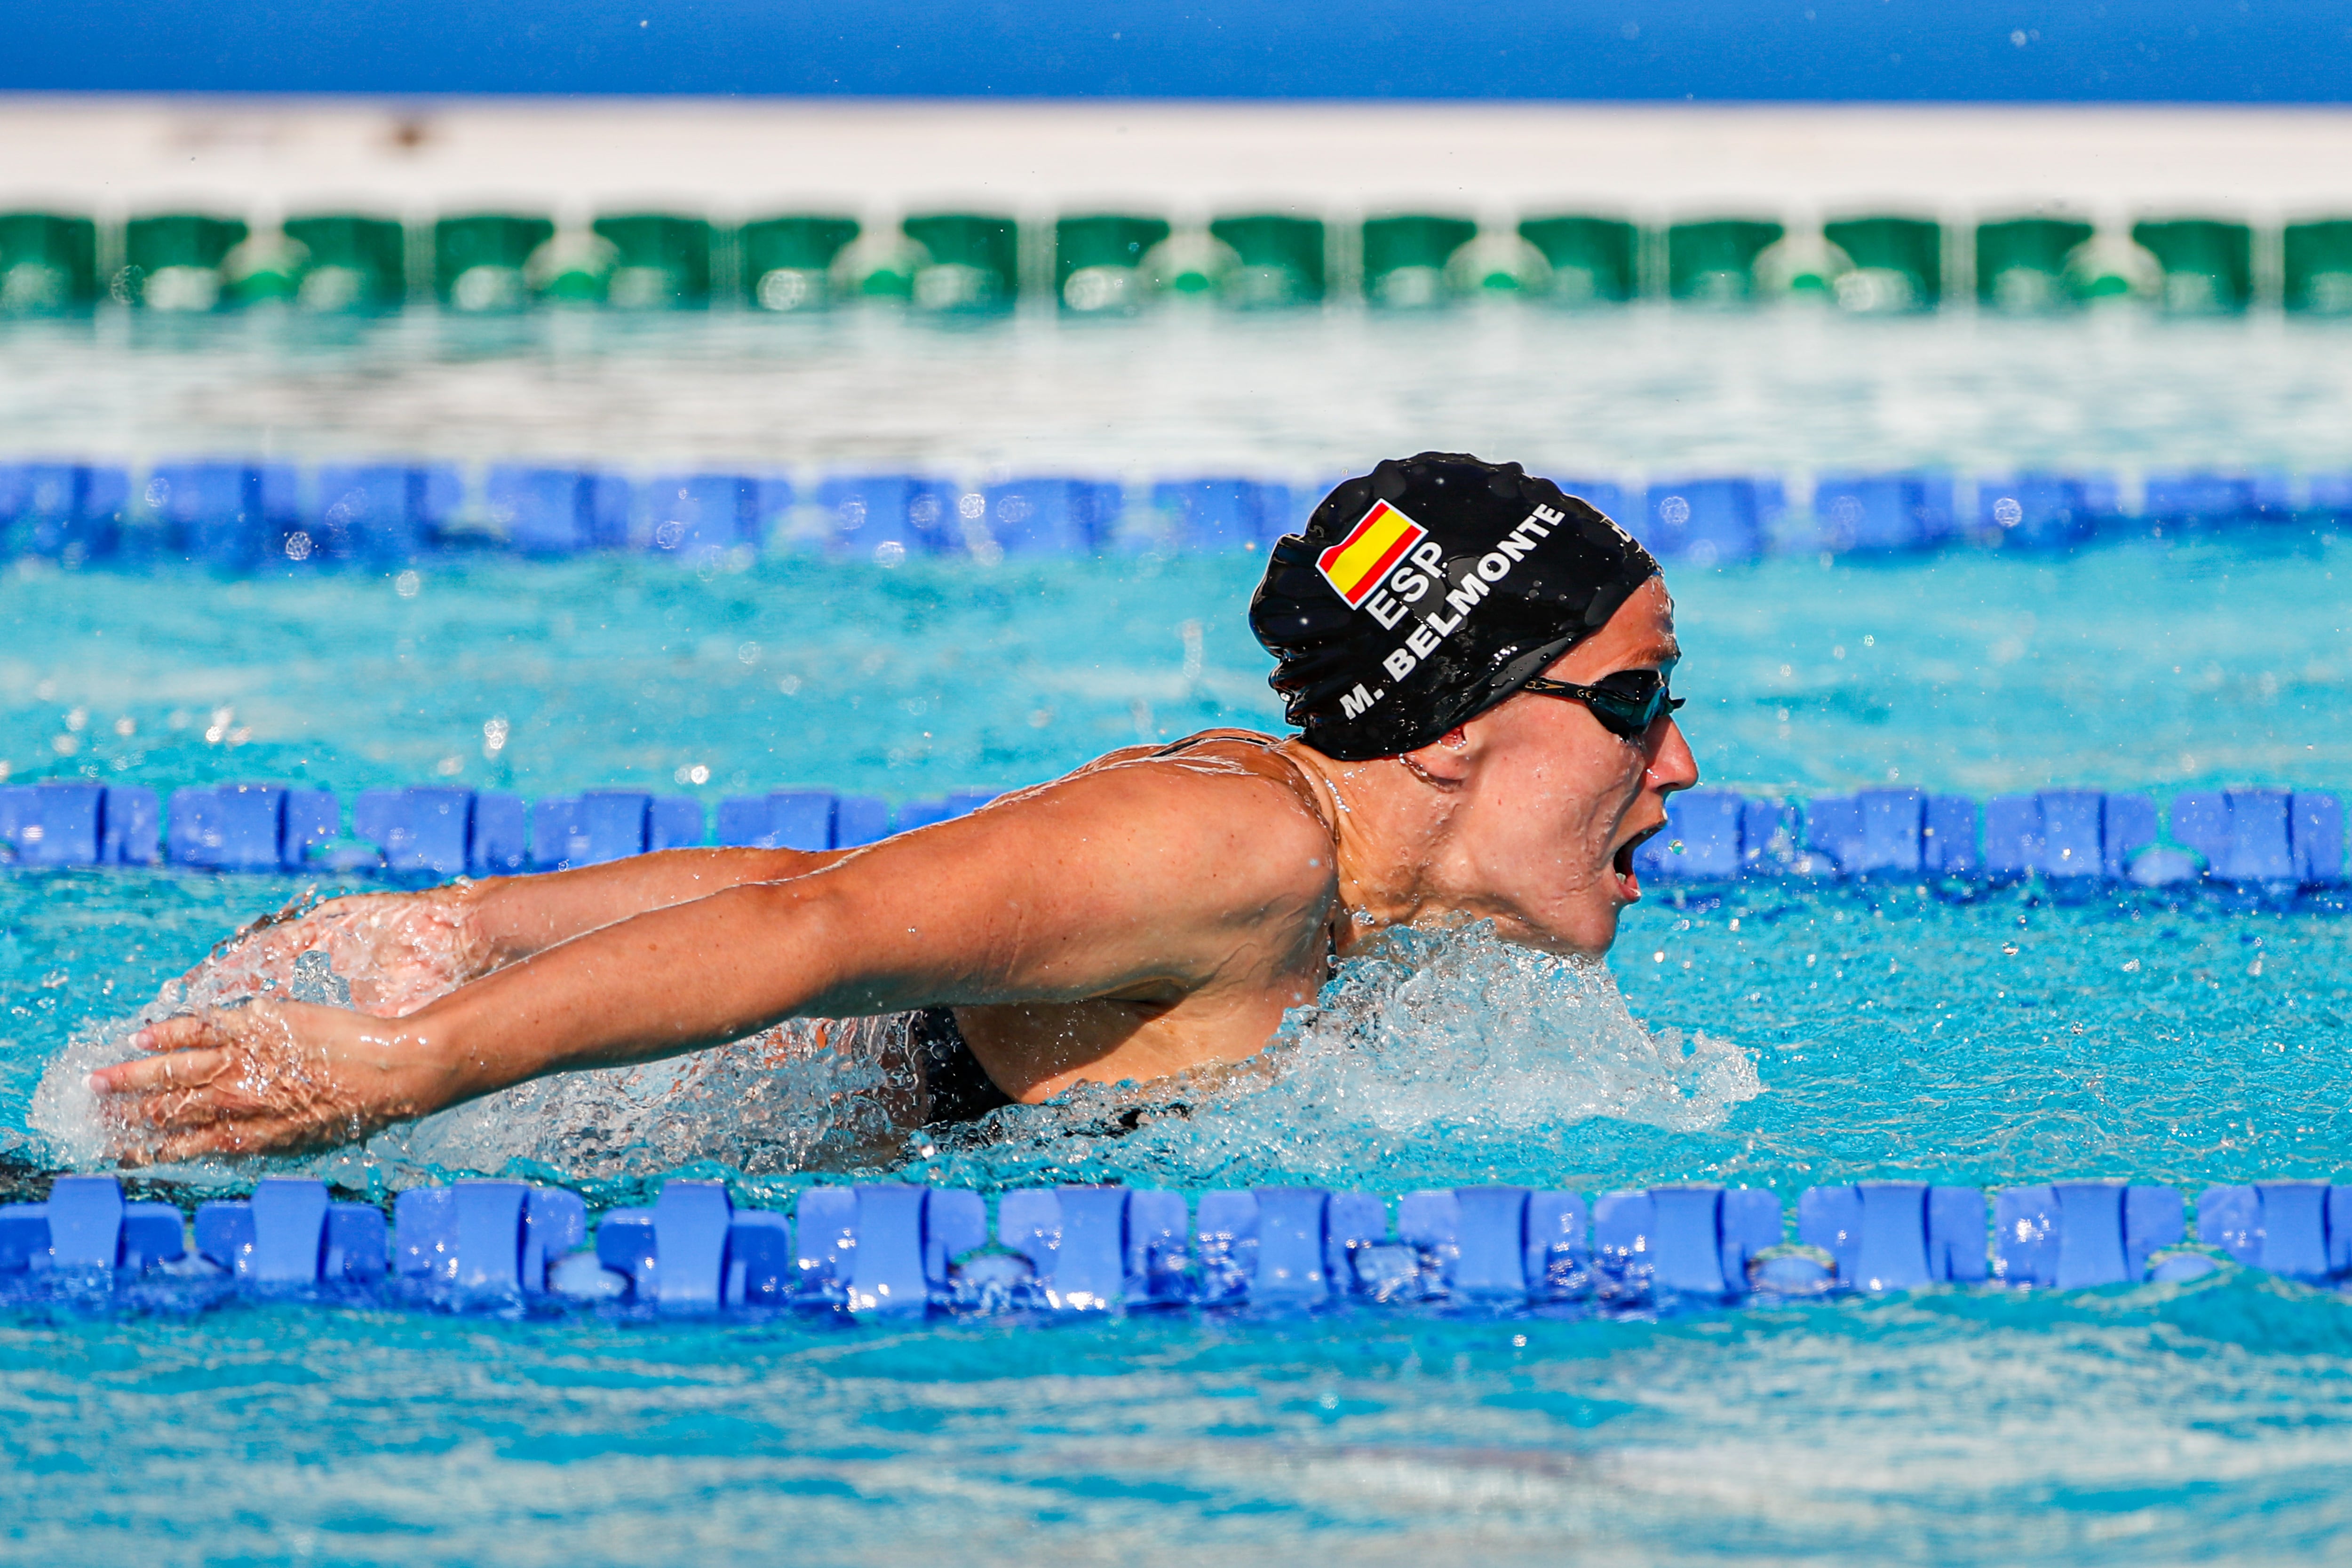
1428, 590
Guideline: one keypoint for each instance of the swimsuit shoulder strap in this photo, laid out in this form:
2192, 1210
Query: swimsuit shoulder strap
1263, 756
1207, 737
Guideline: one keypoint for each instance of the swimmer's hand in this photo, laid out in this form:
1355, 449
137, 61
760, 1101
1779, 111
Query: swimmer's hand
273, 1077
398, 950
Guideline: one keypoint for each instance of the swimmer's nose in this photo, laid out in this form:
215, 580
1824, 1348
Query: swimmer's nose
1672, 766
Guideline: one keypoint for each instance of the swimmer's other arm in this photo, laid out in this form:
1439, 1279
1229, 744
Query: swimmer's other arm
399, 950
510, 918
505, 919
1105, 882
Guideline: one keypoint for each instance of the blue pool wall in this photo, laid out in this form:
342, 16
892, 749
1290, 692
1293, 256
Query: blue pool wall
2180, 51
894, 1248
2244, 837
237, 516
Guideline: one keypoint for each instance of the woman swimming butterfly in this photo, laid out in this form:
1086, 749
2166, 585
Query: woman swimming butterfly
1477, 664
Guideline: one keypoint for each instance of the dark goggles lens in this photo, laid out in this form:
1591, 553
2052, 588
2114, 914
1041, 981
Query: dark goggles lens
1627, 703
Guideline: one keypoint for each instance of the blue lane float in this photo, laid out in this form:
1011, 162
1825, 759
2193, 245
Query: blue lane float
2253, 838
250, 828
1897, 1236
70, 822
289, 1233
892, 1250
2300, 1229
2079, 837
69, 513
241, 516
84, 1226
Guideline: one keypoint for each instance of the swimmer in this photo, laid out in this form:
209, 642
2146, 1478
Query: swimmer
1476, 664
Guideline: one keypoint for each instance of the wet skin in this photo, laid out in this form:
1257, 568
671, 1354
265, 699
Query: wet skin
1144, 915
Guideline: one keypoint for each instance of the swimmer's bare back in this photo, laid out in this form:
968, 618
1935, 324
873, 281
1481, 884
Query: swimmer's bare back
1157, 911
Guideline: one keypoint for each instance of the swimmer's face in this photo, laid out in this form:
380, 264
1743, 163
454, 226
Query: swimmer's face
1551, 805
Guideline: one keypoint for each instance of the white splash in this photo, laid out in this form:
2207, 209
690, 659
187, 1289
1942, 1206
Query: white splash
1440, 1056
1465, 1026
64, 1113
811, 1095
1436, 1044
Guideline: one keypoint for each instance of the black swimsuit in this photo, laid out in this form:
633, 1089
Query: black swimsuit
957, 1088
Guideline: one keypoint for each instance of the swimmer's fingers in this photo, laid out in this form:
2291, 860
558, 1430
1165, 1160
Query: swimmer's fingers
208, 1101
230, 1099
195, 1065
183, 1052
189, 1031
175, 1071
285, 931
210, 1030
268, 1076
264, 951
252, 930
203, 1090
278, 938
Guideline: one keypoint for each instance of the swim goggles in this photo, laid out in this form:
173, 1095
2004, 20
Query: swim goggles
1626, 703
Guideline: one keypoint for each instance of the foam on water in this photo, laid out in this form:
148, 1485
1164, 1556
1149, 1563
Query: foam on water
1434, 1041
1436, 1049
828, 1095
1463, 1026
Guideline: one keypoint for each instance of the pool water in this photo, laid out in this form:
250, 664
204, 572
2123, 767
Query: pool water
2155, 664
1303, 396
1763, 1034
1848, 1036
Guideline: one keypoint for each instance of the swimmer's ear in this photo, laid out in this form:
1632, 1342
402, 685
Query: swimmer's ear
1445, 761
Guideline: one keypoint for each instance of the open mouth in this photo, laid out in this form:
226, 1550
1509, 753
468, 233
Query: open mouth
1629, 884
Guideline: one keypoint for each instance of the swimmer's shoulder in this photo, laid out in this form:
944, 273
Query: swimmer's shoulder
1226, 754
1217, 831
1234, 796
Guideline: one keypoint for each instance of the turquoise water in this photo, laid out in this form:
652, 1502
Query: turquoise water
2207, 1421
1761, 1035
2114, 1428
2128, 666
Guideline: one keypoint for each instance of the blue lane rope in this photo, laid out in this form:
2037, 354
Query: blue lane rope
2244, 836
891, 1250
242, 516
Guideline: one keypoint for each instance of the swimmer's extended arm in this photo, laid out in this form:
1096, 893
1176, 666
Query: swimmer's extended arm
1102, 883
400, 951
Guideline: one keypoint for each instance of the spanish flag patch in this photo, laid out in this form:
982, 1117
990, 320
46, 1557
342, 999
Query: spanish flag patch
1355, 565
